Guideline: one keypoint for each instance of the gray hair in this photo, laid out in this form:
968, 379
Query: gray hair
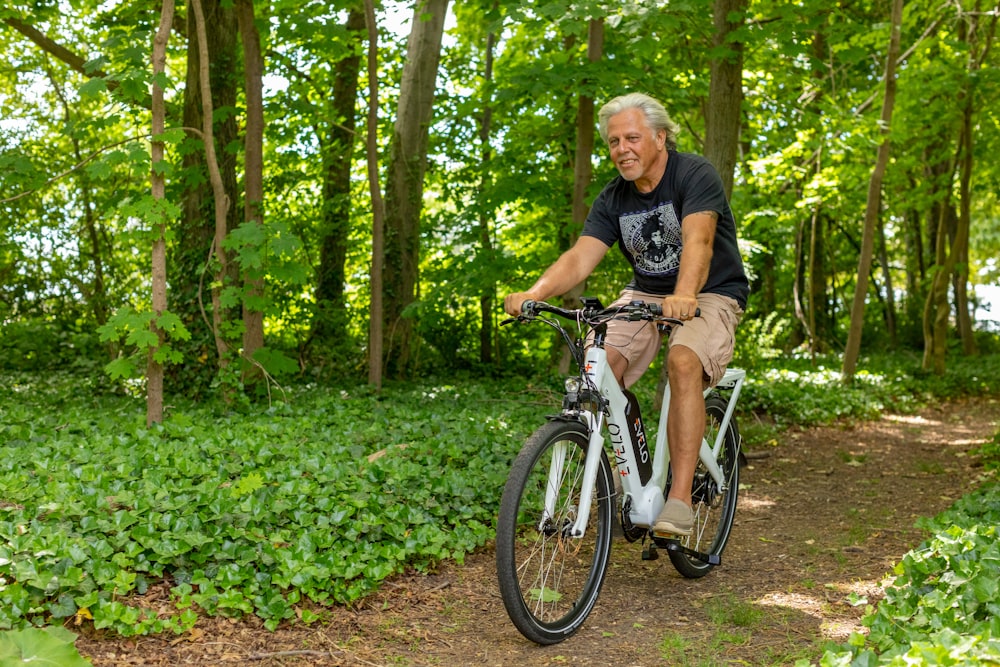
656, 115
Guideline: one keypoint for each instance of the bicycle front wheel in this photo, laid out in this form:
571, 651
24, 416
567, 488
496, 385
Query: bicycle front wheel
549, 581
714, 507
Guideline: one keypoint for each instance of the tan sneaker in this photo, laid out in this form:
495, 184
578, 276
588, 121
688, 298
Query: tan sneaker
676, 518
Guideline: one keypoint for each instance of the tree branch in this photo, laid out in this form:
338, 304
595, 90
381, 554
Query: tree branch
58, 50
25, 193
76, 62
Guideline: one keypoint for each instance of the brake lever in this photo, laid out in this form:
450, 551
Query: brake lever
664, 324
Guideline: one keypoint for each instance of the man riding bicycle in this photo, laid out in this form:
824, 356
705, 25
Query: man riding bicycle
669, 214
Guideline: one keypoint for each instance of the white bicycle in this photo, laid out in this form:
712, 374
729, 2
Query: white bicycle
556, 515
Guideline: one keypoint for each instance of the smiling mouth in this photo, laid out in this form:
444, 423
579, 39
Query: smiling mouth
628, 163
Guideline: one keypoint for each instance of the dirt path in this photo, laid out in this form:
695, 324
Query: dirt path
825, 513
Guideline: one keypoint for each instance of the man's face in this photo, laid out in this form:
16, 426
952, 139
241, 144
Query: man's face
634, 147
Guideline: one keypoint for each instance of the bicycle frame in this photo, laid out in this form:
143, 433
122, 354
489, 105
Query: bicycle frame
643, 481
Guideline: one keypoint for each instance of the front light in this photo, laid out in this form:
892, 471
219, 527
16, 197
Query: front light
572, 385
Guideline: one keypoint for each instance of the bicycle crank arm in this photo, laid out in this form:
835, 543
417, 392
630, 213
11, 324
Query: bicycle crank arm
674, 545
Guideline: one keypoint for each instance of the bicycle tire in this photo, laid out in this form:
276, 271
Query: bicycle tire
714, 508
550, 582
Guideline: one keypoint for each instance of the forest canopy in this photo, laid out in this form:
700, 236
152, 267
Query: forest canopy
372, 179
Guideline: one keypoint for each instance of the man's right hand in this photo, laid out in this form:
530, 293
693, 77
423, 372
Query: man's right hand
512, 302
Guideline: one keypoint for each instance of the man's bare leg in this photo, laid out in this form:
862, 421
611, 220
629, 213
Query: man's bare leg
618, 364
686, 419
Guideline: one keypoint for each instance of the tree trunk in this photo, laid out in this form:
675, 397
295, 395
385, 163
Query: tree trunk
337, 143
154, 369
725, 92
853, 347
405, 179
768, 289
375, 333
487, 296
799, 286
963, 315
190, 273
817, 312
221, 199
253, 179
582, 167
960, 277
890, 295
937, 312
914, 245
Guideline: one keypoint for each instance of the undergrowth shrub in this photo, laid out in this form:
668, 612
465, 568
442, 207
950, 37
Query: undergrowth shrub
799, 391
990, 453
34, 345
314, 502
943, 605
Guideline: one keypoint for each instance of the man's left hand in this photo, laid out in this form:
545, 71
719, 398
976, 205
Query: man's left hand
680, 307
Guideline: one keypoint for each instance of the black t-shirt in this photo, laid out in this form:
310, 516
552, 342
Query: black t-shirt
647, 227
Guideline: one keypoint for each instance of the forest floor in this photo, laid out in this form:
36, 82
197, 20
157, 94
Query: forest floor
824, 512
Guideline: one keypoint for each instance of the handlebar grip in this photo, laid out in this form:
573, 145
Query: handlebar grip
657, 309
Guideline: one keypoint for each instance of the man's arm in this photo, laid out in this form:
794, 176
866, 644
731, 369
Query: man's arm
698, 230
572, 267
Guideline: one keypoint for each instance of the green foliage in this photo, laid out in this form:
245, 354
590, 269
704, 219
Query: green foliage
803, 391
943, 604
44, 647
497, 205
134, 330
39, 345
313, 503
759, 341
990, 453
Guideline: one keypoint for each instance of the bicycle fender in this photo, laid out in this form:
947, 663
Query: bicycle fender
569, 418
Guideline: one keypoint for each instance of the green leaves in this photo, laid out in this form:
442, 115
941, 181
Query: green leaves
136, 329
808, 391
242, 515
247, 484
943, 607
48, 647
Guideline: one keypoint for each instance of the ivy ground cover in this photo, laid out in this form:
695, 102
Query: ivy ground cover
275, 514
942, 604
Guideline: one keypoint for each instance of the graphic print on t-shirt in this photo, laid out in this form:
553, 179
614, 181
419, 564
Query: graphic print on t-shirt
653, 238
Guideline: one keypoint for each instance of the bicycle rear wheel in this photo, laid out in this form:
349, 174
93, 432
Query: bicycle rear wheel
714, 507
548, 580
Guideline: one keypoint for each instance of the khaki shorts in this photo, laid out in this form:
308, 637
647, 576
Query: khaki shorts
711, 336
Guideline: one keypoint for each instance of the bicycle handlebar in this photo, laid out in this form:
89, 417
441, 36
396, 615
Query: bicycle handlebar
593, 313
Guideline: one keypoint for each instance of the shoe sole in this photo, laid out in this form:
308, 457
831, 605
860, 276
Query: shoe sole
665, 530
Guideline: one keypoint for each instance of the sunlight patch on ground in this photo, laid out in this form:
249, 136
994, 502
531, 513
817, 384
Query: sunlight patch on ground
911, 419
803, 603
837, 620
972, 441
750, 503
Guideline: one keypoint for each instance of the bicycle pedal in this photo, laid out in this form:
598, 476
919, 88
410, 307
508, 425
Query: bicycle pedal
676, 546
